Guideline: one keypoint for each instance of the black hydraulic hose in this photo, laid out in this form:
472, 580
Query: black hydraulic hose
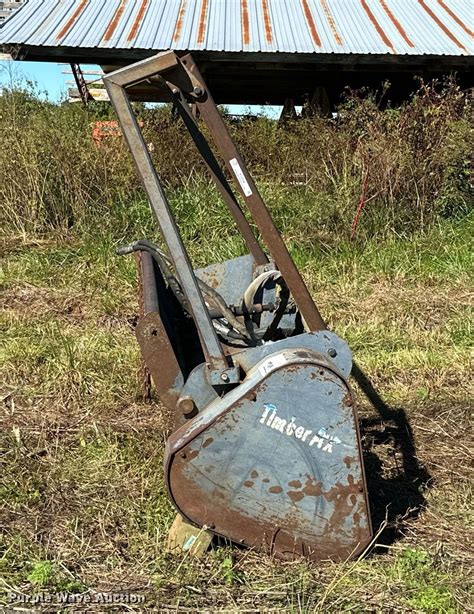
162, 261
221, 304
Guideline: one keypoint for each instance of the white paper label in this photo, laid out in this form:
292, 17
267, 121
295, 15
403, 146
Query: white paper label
239, 174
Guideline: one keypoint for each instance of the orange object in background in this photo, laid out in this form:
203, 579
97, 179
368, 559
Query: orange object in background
106, 129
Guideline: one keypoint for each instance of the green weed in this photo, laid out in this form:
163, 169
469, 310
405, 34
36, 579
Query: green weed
41, 574
427, 587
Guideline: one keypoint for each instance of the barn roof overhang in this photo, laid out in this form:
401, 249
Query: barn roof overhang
271, 78
257, 51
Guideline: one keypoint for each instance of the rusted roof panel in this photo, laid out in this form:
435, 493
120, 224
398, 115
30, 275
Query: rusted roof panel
414, 27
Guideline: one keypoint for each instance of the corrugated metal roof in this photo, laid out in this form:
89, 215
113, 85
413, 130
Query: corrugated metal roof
7, 8
415, 27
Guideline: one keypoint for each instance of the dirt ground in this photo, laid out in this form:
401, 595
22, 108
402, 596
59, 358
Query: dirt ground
84, 508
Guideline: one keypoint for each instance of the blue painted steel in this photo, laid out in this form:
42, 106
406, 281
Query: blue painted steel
324, 342
230, 278
276, 463
408, 27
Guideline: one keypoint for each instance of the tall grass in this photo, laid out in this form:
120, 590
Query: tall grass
369, 171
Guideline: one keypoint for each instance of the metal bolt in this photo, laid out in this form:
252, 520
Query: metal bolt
186, 405
332, 352
198, 91
224, 377
175, 90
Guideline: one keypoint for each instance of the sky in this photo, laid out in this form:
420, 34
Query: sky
51, 83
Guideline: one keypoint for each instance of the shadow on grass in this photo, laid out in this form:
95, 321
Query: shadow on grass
396, 487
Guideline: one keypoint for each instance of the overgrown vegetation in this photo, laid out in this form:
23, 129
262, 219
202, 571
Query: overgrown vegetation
403, 167
84, 506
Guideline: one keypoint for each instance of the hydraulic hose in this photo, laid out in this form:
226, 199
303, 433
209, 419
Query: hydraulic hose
164, 263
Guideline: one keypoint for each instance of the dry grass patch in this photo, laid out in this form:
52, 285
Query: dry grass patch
84, 506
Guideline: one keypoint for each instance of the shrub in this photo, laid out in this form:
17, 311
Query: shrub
370, 170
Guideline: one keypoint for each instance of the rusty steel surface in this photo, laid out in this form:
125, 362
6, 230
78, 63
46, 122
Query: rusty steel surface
115, 21
148, 282
137, 22
401, 30
158, 354
273, 470
249, 192
72, 19
311, 24
115, 84
81, 84
157, 351
144, 372
266, 450
411, 27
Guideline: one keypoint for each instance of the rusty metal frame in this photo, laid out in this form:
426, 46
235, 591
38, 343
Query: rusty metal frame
116, 84
179, 80
81, 84
208, 111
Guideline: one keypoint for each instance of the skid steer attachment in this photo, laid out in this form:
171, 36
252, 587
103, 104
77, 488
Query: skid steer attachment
265, 450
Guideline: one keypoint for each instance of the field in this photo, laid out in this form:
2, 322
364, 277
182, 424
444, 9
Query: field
84, 507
